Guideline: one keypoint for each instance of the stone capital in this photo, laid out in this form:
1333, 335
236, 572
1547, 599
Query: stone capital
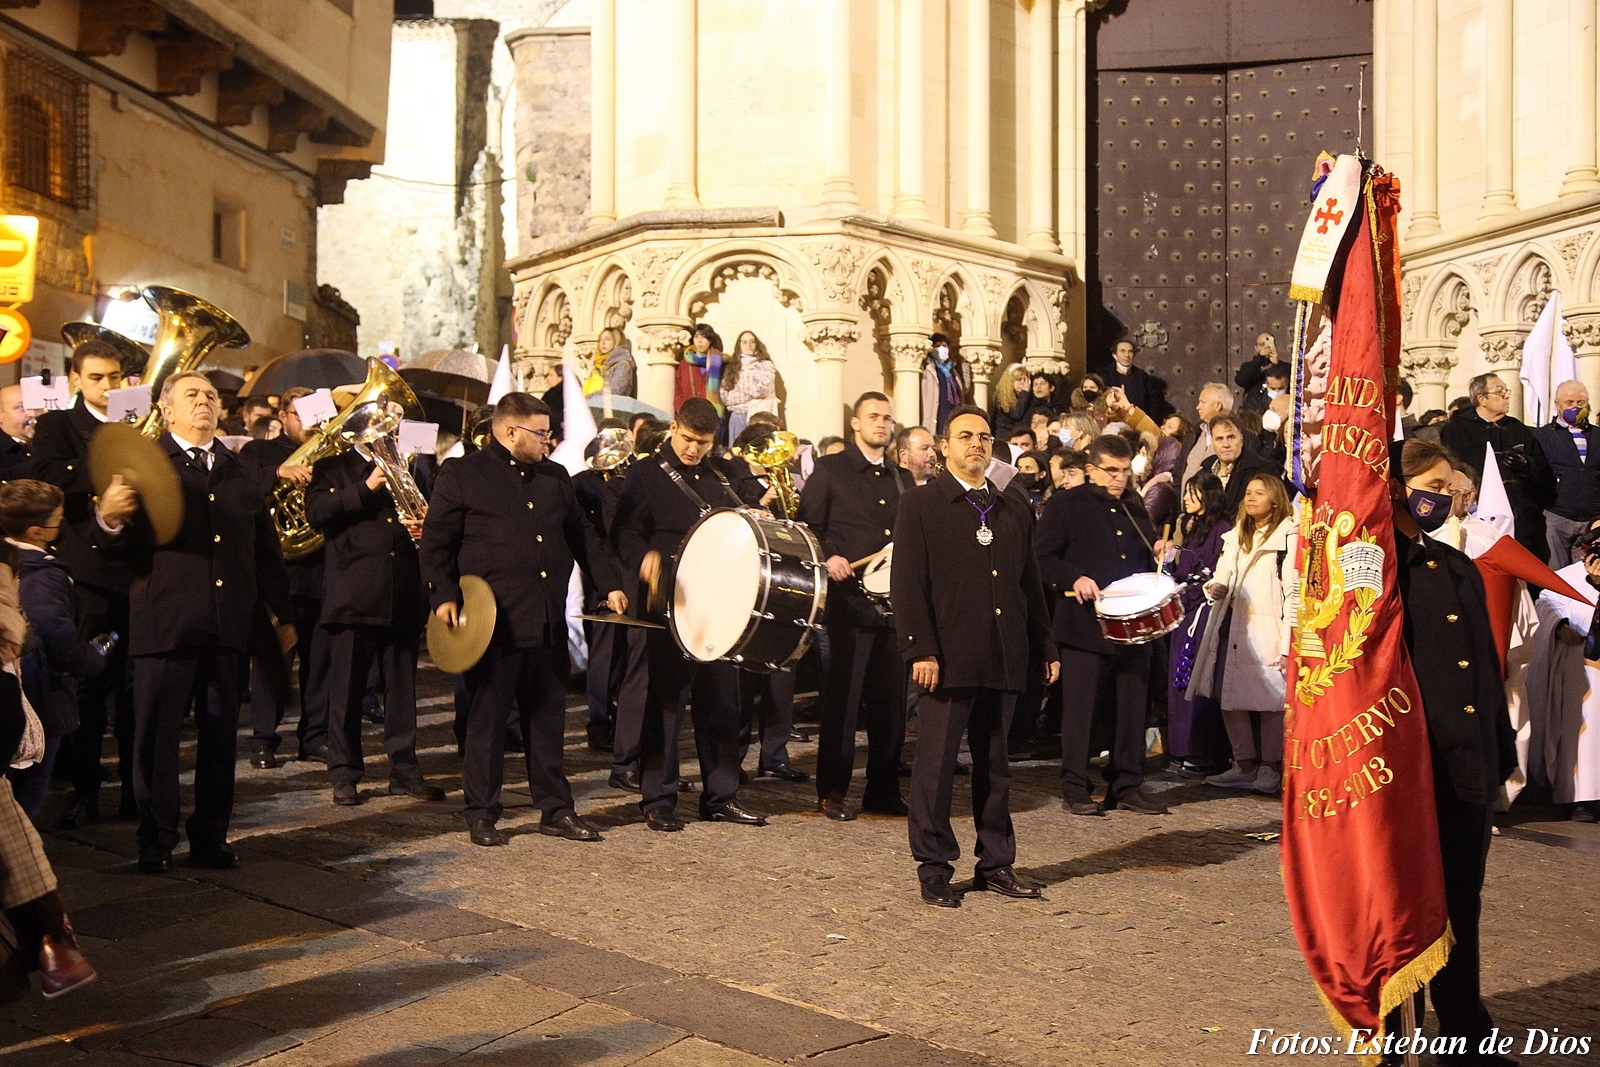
1502, 345
983, 356
530, 367
661, 342
1583, 333
1428, 363
830, 339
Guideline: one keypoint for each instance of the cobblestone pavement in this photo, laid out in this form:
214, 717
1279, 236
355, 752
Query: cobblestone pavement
379, 936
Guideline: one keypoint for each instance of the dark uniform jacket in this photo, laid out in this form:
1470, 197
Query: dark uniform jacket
1246, 467
518, 527
305, 574
1083, 531
1529, 484
16, 458
1577, 480
1458, 670
199, 592
597, 493
979, 609
373, 577
654, 513
850, 504
56, 657
61, 457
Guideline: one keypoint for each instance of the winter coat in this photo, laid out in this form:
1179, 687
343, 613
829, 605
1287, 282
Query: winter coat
1258, 584
58, 657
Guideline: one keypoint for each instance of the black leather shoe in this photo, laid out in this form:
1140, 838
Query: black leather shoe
893, 806
570, 827
787, 773
937, 891
600, 744
315, 755
964, 770
345, 795
685, 786
839, 810
416, 790
1005, 882
213, 857
628, 783
81, 812
484, 833
262, 758
1083, 807
1137, 800
153, 859
665, 822
732, 812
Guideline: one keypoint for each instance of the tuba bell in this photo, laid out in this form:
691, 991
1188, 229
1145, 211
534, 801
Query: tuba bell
612, 447
370, 424
186, 332
130, 353
772, 453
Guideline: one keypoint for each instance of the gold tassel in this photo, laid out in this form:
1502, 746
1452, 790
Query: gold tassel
1403, 983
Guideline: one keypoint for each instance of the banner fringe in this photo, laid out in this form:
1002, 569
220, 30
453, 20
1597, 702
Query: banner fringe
1405, 982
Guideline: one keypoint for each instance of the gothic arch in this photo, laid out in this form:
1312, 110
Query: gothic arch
972, 305
700, 275
549, 319
1446, 304
895, 272
1518, 288
1586, 276
613, 290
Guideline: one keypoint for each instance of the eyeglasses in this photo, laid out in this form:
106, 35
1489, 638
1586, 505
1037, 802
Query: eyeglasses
966, 437
1115, 472
543, 435
1502, 392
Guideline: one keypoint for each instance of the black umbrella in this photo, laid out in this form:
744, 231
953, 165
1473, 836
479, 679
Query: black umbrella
226, 382
311, 368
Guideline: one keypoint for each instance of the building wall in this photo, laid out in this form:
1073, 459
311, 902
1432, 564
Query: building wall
551, 168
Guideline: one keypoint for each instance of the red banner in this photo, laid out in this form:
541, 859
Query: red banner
1361, 863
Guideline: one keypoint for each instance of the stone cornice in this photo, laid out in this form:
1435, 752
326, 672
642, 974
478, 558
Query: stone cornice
1555, 217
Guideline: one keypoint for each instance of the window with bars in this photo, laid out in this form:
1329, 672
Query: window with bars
47, 130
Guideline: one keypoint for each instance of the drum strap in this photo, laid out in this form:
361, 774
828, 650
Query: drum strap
688, 490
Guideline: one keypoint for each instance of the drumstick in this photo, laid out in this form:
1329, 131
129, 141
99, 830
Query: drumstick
1161, 564
864, 560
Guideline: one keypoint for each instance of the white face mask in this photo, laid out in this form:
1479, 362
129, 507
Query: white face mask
1140, 464
1271, 421
1273, 394
941, 353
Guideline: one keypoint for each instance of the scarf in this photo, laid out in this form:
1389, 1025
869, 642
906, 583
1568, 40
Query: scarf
710, 365
949, 388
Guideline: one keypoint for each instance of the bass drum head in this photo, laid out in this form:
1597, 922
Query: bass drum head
718, 584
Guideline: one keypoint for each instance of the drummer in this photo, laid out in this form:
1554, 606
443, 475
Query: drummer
1089, 537
661, 499
850, 502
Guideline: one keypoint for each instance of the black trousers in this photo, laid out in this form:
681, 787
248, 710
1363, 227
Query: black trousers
608, 661
711, 691
944, 715
269, 680
633, 695
1082, 674
766, 709
866, 677
536, 679
163, 687
352, 651
102, 611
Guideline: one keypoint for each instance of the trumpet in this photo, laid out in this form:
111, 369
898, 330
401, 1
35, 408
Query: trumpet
772, 454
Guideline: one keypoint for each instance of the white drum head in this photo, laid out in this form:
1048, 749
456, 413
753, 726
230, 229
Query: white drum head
718, 581
875, 576
1134, 595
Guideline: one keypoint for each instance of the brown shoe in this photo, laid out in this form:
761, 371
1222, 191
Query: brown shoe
62, 964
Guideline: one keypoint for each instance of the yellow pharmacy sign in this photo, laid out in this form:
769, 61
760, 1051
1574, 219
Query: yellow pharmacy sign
19, 244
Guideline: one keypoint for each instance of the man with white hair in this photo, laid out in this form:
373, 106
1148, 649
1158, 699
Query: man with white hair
1215, 399
16, 453
1571, 445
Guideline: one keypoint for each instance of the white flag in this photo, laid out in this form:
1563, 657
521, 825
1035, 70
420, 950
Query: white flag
502, 376
1547, 361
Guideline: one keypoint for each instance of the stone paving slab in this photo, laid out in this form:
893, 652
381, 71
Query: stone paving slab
590, 1035
554, 961
695, 1052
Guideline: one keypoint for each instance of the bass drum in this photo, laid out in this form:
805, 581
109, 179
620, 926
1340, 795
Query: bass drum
748, 589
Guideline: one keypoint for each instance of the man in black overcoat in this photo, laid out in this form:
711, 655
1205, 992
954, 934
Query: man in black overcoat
61, 457
508, 514
372, 611
192, 604
971, 620
662, 498
850, 502
269, 676
1523, 467
1089, 537
1453, 653
1233, 463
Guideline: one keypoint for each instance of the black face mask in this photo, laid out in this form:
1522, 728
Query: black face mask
1430, 510
1091, 395
1028, 481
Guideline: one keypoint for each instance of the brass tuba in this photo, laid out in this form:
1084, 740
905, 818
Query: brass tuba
613, 447
772, 453
188, 329
130, 353
370, 423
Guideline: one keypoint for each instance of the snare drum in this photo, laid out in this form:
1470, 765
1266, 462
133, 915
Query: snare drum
749, 589
1139, 608
875, 577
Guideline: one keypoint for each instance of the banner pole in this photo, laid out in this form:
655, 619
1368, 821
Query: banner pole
1408, 1020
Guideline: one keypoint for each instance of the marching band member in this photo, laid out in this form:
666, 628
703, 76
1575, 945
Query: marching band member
850, 502
372, 610
661, 499
508, 514
1088, 538
61, 457
972, 621
193, 603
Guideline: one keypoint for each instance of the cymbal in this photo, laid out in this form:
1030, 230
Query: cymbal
622, 620
457, 649
117, 448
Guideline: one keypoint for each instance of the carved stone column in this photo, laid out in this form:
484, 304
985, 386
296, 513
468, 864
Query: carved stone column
983, 357
909, 201
1500, 194
683, 189
1582, 175
977, 219
658, 346
1502, 350
1041, 127
1427, 365
603, 113
909, 347
829, 340
838, 187
530, 367
1424, 118
1583, 333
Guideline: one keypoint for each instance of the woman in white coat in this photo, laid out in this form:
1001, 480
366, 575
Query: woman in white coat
1243, 657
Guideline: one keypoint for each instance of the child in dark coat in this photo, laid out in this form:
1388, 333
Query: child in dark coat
56, 657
